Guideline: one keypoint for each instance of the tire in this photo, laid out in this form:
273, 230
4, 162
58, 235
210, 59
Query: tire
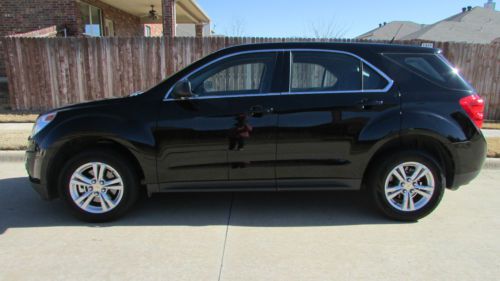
101, 199
410, 200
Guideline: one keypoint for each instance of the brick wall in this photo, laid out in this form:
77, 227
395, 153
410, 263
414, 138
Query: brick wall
199, 30
126, 25
169, 16
3, 72
19, 16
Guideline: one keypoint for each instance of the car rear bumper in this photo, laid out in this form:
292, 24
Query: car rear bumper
463, 179
469, 160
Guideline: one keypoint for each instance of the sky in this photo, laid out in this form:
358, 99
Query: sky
299, 18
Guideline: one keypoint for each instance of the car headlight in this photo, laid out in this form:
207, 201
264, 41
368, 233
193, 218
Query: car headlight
42, 122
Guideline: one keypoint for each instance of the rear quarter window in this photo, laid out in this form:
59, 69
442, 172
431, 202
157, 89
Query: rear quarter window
432, 67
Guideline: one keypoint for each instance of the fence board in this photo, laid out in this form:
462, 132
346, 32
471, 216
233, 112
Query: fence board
49, 72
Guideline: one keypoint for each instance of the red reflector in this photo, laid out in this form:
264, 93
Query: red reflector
474, 107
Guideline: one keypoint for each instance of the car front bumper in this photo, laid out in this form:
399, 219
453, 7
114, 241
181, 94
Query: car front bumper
35, 165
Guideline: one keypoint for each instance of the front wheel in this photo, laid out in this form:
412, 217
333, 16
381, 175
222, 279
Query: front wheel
407, 186
99, 185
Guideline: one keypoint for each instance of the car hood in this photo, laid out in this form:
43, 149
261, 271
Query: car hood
98, 103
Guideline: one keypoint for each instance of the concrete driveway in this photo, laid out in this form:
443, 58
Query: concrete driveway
491, 133
251, 236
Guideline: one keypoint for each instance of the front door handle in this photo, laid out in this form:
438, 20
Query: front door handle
368, 103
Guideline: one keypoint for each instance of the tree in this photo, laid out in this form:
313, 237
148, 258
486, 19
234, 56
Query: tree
327, 30
236, 28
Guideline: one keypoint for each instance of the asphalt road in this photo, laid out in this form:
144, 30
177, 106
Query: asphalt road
251, 236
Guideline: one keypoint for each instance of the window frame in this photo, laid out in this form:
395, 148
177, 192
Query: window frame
147, 31
201, 68
467, 85
363, 62
288, 52
101, 22
107, 24
228, 64
322, 88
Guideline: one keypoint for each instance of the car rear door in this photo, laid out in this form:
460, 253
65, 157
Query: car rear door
337, 108
223, 137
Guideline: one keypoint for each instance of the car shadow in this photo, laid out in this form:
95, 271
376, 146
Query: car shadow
20, 207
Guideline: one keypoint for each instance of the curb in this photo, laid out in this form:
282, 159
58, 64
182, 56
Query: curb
16, 126
18, 156
11, 156
492, 164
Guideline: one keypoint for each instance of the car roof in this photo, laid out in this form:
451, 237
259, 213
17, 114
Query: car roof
348, 47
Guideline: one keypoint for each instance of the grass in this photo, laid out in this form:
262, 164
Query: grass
18, 140
14, 140
494, 147
17, 117
488, 125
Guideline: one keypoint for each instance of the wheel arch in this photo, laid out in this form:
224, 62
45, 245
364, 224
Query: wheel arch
77, 145
432, 144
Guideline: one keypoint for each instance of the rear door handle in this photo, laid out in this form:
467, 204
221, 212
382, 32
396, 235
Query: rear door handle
259, 111
367, 103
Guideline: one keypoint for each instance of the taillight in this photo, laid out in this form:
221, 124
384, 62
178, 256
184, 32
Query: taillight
474, 107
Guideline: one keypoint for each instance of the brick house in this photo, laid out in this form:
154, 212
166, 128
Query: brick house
101, 18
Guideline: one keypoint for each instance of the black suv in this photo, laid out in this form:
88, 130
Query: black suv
396, 121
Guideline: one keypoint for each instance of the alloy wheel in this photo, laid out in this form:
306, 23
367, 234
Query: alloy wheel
409, 186
96, 187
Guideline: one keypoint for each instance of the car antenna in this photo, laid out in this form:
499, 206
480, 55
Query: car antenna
397, 32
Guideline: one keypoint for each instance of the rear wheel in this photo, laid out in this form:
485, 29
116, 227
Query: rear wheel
407, 186
99, 185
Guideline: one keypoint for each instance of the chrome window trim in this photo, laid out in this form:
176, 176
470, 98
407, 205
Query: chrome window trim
232, 96
390, 82
166, 98
362, 77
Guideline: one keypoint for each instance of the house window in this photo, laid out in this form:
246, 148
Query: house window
147, 31
91, 18
109, 27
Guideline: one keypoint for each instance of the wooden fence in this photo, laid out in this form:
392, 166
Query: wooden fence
45, 73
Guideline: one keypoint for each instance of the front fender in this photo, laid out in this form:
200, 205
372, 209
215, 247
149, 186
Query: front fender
132, 132
135, 136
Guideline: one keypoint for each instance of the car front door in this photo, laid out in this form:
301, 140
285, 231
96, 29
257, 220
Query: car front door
224, 136
326, 121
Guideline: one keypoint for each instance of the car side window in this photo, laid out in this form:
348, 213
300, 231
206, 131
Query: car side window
318, 76
237, 75
372, 80
324, 71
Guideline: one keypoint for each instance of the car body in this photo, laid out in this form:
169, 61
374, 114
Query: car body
275, 117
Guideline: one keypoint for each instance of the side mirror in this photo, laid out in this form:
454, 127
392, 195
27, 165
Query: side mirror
182, 90
208, 85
